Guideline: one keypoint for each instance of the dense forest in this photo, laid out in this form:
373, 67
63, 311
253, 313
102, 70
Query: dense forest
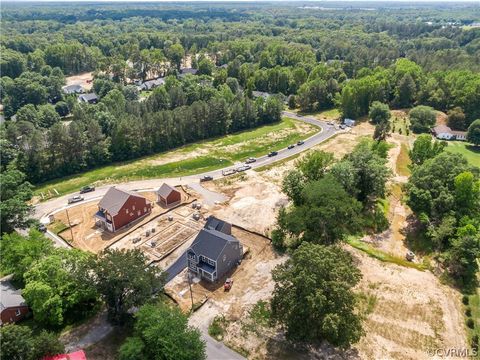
319, 58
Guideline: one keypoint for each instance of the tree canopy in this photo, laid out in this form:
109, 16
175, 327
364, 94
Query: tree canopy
314, 287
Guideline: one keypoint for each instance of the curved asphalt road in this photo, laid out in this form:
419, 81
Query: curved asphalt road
42, 210
215, 350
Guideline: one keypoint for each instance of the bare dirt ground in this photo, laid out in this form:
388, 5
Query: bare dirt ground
87, 236
160, 237
413, 312
81, 79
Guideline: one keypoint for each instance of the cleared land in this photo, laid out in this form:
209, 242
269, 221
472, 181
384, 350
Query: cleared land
87, 236
83, 79
471, 152
191, 159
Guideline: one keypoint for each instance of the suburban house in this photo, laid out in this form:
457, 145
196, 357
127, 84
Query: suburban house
214, 251
168, 195
13, 307
77, 355
257, 94
186, 71
151, 84
118, 208
73, 89
443, 132
349, 122
90, 98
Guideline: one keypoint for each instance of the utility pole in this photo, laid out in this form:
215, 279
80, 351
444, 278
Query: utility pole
190, 286
69, 225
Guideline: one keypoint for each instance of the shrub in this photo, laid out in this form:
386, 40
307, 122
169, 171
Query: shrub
465, 300
470, 323
468, 312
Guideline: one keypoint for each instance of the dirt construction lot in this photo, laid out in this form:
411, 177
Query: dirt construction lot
161, 236
251, 280
84, 79
88, 236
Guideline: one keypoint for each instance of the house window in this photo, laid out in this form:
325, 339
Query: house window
17, 312
145, 209
138, 213
131, 214
133, 207
224, 257
126, 211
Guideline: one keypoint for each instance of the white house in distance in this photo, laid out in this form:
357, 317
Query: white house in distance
349, 122
443, 132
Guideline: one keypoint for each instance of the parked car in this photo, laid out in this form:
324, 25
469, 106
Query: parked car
329, 122
291, 147
42, 228
87, 189
243, 168
228, 284
75, 199
343, 127
300, 143
250, 160
206, 178
228, 172
273, 153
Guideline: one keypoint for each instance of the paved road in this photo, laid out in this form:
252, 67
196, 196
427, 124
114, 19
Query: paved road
42, 210
215, 350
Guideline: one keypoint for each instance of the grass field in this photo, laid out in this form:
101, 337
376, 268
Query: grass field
191, 159
469, 151
381, 255
403, 161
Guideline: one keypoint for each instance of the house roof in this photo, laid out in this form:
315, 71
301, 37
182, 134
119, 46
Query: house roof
188, 71
216, 224
77, 355
88, 97
210, 243
147, 85
439, 129
9, 296
165, 190
442, 129
72, 88
260, 94
114, 200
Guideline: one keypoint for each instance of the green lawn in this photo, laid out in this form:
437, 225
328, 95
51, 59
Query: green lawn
194, 158
471, 152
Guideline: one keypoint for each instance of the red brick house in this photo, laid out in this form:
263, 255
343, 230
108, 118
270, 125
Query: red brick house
168, 195
13, 307
118, 208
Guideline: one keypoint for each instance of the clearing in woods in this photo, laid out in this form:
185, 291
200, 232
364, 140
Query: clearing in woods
190, 159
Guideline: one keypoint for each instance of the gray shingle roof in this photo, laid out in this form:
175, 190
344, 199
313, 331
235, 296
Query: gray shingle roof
70, 89
114, 199
210, 243
9, 296
216, 224
165, 190
88, 97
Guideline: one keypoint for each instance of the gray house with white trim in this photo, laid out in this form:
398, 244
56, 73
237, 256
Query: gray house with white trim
214, 251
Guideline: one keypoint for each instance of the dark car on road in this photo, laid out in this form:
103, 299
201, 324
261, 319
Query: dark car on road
250, 160
206, 178
42, 228
291, 147
87, 189
300, 142
273, 153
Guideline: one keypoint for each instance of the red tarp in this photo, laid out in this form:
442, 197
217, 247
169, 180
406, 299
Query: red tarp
77, 355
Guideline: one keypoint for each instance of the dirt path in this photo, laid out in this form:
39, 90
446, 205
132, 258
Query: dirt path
87, 334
